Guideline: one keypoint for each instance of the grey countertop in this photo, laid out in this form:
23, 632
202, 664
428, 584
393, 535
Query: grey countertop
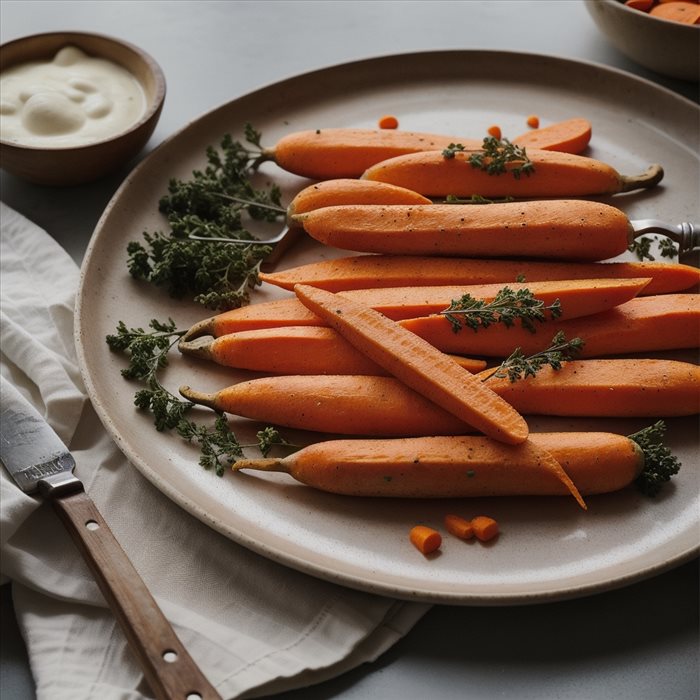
634, 643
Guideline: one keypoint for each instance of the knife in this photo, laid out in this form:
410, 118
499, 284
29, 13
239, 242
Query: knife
40, 463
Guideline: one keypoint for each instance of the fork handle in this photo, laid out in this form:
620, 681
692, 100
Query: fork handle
169, 669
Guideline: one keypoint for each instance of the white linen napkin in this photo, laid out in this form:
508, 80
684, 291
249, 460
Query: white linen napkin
252, 625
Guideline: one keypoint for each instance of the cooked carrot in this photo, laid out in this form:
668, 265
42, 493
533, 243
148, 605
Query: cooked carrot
323, 154
418, 364
685, 12
463, 466
666, 322
458, 526
293, 350
384, 406
643, 5
425, 539
578, 230
388, 121
576, 297
485, 528
555, 174
533, 121
374, 271
570, 136
494, 131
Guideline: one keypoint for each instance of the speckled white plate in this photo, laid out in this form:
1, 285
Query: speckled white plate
549, 549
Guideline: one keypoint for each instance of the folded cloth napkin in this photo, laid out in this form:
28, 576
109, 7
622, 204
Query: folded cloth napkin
253, 626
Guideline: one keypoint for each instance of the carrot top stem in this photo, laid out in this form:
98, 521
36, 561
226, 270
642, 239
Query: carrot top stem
649, 178
659, 463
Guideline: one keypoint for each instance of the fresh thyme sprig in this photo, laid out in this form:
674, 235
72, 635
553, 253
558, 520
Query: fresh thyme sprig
659, 463
641, 247
507, 307
148, 354
518, 366
497, 156
218, 275
476, 199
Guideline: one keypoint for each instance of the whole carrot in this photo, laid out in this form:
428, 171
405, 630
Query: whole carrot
569, 136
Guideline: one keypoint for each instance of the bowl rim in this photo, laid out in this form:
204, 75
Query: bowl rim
652, 18
153, 108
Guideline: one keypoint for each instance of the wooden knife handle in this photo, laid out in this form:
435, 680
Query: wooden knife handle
169, 669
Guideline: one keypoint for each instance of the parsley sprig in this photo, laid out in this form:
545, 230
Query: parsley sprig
519, 366
507, 307
497, 156
641, 247
659, 463
218, 275
148, 355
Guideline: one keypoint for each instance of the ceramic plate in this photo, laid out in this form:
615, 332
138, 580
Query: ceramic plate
549, 549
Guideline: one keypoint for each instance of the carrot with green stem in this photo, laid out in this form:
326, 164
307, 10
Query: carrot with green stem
418, 364
477, 466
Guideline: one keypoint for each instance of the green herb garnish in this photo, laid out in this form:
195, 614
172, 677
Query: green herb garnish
659, 464
497, 156
641, 247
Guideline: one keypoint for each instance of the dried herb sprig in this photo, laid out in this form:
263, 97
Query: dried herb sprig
659, 463
518, 366
641, 247
507, 307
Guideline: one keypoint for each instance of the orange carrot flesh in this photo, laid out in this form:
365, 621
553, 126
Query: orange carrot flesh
533, 121
644, 324
418, 364
388, 121
577, 298
556, 174
463, 466
374, 271
485, 528
570, 136
425, 539
351, 191
294, 350
561, 229
679, 11
459, 527
324, 154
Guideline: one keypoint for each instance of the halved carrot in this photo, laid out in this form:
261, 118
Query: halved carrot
458, 526
578, 230
678, 11
384, 406
418, 364
485, 528
555, 175
323, 154
293, 350
577, 298
666, 322
425, 539
365, 271
570, 136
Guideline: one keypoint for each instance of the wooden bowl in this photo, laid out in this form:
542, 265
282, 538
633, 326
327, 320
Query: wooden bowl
85, 163
669, 48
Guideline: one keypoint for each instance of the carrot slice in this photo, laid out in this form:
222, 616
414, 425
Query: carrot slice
485, 528
418, 364
459, 527
425, 539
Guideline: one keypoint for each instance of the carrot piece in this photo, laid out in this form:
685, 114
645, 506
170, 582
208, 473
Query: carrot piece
350, 191
418, 364
556, 174
485, 528
323, 154
642, 5
533, 121
577, 298
494, 131
293, 350
459, 527
376, 271
388, 121
578, 230
570, 136
644, 324
425, 539
462, 466
685, 12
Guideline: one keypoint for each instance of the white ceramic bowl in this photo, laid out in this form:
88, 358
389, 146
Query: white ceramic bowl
669, 48
77, 165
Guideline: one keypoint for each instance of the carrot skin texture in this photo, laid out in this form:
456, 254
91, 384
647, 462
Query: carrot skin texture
569, 136
559, 229
417, 364
375, 271
461, 466
425, 539
555, 175
323, 154
578, 298
643, 324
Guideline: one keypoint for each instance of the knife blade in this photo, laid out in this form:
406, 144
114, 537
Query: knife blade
41, 464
